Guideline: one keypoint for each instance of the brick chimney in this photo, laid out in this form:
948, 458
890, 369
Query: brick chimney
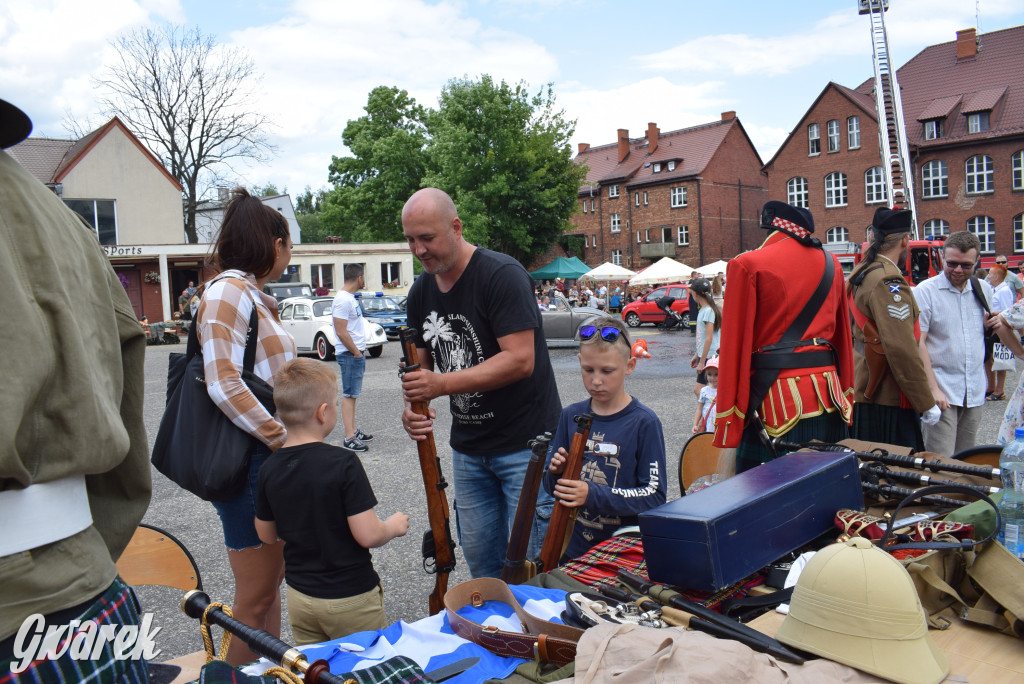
728, 116
652, 137
582, 147
966, 44
623, 143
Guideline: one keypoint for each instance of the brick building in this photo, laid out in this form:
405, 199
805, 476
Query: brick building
693, 194
963, 107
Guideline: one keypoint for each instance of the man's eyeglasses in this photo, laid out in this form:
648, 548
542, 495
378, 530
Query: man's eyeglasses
965, 265
608, 333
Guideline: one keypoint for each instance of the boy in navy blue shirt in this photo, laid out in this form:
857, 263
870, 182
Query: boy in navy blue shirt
624, 462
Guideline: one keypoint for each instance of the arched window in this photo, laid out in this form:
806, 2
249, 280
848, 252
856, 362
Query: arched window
985, 228
837, 234
835, 189
1017, 164
796, 192
936, 227
874, 185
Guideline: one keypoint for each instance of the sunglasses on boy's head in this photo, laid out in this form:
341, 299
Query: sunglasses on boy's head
609, 333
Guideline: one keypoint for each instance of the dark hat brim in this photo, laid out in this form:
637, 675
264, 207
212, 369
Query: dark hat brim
15, 125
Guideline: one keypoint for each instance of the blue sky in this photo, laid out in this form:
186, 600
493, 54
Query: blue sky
613, 64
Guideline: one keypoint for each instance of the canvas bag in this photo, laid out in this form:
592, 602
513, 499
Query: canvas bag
197, 445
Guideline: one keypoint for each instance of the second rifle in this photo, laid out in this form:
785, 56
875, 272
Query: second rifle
564, 517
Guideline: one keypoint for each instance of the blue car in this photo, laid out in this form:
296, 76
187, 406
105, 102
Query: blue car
382, 310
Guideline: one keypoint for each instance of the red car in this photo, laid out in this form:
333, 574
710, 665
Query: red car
645, 309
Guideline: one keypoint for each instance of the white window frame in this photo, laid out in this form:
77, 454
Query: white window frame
874, 185
985, 228
94, 223
935, 179
832, 130
613, 191
671, 166
647, 234
638, 240
636, 198
978, 122
656, 168
853, 133
797, 192
1017, 170
836, 194
932, 129
584, 206
936, 227
645, 198
1018, 233
678, 197
980, 181
683, 236
617, 257
837, 234
813, 140
316, 275
591, 206
616, 222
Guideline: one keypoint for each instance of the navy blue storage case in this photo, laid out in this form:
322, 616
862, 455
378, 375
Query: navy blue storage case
721, 534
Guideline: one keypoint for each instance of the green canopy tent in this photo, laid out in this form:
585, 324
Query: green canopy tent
561, 267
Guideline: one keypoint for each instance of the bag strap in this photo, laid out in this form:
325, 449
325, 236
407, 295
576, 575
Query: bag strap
548, 641
978, 295
762, 378
966, 544
193, 347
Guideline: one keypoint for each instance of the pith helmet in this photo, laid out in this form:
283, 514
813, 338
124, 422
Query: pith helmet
855, 604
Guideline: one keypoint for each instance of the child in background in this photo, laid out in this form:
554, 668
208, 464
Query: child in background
704, 421
624, 460
316, 497
709, 328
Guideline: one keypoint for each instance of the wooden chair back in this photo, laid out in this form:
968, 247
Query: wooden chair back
155, 556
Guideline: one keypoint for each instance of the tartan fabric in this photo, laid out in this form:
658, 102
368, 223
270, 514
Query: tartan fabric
791, 228
117, 606
828, 427
598, 567
395, 670
223, 317
219, 672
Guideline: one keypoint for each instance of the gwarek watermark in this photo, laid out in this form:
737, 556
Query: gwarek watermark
81, 640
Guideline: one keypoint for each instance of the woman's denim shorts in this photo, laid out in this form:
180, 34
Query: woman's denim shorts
237, 515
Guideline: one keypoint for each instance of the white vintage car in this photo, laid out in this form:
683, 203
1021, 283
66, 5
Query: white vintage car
309, 321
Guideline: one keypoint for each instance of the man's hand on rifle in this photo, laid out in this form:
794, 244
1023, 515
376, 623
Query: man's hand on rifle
417, 425
422, 385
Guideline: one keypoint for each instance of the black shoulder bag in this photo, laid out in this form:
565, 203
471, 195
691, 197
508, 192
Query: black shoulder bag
197, 445
990, 338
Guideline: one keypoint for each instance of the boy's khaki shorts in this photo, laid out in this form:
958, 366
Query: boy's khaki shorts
314, 619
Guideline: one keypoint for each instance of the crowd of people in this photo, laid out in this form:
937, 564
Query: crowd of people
776, 356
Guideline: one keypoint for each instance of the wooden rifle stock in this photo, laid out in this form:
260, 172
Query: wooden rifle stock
438, 546
195, 604
563, 517
517, 568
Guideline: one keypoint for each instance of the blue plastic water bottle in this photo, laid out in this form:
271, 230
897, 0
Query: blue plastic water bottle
1011, 506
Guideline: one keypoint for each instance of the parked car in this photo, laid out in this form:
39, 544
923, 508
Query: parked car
282, 291
401, 300
382, 310
645, 309
562, 322
310, 322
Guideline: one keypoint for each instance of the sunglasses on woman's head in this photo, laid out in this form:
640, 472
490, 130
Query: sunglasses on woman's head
609, 333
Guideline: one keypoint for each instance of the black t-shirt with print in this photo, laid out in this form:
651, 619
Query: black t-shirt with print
309, 491
460, 328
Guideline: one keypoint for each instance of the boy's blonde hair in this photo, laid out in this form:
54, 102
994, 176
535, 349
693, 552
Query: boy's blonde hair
610, 322
300, 386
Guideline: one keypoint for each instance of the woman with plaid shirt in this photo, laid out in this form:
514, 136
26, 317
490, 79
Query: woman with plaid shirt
254, 247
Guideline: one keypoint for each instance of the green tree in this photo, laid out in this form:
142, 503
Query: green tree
268, 190
504, 157
386, 166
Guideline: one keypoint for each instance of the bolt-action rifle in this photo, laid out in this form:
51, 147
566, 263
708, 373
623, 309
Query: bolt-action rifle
564, 517
438, 545
517, 568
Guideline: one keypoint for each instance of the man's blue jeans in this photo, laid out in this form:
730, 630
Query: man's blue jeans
487, 492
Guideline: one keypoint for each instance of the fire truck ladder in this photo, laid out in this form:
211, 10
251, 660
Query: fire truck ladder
892, 135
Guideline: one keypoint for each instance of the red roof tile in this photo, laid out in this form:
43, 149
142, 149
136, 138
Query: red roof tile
939, 108
691, 148
934, 74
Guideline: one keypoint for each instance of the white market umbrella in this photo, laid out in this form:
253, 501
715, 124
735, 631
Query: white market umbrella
667, 270
712, 269
608, 271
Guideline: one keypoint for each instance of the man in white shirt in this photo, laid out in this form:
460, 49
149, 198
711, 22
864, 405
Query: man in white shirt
351, 353
952, 345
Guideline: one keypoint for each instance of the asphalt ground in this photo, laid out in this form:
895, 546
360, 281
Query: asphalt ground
663, 382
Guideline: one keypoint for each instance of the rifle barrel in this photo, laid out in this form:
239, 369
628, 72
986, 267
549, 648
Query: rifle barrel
264, 644
443, 546
517, 568
562, 516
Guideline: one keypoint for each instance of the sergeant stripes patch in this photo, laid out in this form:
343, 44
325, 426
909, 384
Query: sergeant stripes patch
900, 313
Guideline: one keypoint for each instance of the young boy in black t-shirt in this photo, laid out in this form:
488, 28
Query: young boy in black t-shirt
316, 497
